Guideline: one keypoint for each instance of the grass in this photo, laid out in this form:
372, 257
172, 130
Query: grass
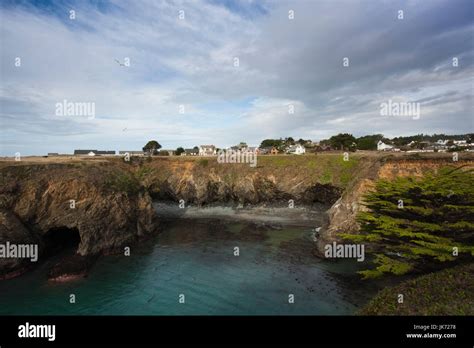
323, 168
123, 182
447, 292
204, 162
326, 177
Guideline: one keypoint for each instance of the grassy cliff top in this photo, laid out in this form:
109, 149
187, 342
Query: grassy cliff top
447, 292
324, 168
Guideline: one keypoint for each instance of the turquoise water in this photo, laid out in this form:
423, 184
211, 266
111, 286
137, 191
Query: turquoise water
195, 257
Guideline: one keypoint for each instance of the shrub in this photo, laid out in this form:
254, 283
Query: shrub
123, 182
436, 216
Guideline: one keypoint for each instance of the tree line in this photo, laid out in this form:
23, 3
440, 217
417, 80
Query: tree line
341, 141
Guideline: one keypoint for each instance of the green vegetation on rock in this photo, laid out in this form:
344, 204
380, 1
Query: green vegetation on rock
417, 225
448, 292
123, 183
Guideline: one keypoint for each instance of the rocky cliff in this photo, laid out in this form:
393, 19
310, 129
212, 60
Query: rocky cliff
107, 203
342, 214
37, 201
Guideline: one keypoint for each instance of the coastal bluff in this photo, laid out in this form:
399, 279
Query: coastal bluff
105, 204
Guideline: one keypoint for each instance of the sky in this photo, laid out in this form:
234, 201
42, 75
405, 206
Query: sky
183, 86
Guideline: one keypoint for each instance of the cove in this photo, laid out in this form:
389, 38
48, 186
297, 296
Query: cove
194, 255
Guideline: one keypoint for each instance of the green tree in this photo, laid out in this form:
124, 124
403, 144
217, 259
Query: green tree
151, 147
301, 141
179, 151
343, 141
242, 144
369, 142
271, 142
416, 225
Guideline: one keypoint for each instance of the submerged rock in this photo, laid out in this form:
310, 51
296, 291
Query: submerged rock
71, 267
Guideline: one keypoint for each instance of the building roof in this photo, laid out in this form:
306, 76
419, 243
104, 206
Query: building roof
294, 147
83, 152
97, 152
131, 152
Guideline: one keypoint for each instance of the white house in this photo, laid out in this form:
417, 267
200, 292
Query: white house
381, 146
207, 150
297, 149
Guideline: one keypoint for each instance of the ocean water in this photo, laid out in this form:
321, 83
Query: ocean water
194, 256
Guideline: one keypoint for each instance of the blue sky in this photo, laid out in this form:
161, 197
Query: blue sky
189, 63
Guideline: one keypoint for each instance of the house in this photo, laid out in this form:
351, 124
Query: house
83, 152
190, 152
94, 152
132, 153
207, 150
268, 150
381, 146
297, 149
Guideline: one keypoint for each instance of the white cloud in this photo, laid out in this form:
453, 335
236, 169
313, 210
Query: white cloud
190, 63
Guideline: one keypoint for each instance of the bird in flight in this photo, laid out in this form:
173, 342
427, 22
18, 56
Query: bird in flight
118, 61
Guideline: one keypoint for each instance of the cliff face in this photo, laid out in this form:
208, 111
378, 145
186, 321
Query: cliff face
108, 203
252, 189
204, 181
342, 214
37, 200
112, 205
13, 231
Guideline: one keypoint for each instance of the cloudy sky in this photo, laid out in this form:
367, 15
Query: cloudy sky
183, 86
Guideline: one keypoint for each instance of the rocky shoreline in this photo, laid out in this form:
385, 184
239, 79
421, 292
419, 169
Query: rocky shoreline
109, 204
